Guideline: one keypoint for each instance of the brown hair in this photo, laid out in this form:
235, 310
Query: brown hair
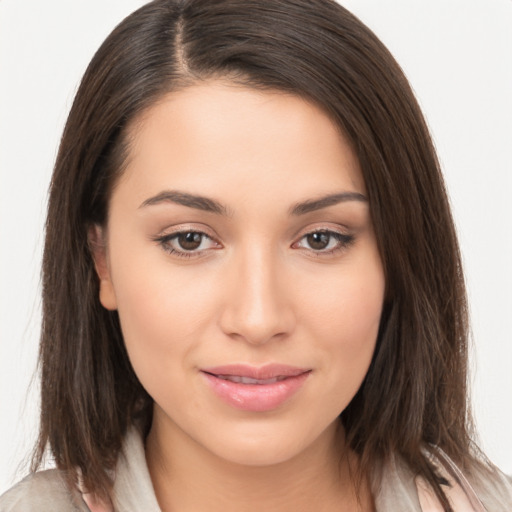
414, 395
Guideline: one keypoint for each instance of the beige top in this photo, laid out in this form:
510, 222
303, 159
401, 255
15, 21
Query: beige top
397, 491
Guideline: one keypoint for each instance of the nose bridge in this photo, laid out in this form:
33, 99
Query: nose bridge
258, 305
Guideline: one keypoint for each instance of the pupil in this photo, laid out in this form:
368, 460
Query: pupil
318, 240
190, 241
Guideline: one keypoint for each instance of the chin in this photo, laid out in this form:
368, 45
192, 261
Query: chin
258, 453
266, 445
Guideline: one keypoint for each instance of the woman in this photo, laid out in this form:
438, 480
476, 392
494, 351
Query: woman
252, 289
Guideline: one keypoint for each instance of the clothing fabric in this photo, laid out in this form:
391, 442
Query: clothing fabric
395, 490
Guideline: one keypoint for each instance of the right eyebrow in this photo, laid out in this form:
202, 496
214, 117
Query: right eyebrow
312, 205
190, 200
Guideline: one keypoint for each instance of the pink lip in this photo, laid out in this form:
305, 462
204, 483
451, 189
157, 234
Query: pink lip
257, 397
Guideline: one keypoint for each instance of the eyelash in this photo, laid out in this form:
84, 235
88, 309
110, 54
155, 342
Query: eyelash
165, 241
344, 241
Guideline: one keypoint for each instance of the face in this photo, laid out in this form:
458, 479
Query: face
240, 255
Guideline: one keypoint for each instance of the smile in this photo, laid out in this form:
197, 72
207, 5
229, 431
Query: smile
255, 389
248, 380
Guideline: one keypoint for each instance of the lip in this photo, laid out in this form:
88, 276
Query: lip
262, 396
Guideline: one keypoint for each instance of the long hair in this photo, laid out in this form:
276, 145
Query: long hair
414, 395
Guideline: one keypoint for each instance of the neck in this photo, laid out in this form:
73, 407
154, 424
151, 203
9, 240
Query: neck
187, 477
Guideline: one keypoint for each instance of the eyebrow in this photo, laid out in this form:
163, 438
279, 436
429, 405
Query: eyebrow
213, 206
325, 201
192, 201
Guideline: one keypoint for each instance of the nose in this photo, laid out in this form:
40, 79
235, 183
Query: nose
258, 305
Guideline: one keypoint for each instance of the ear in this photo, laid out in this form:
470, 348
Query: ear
98, 247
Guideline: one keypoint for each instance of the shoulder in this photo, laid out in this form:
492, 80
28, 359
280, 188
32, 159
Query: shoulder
494, 488
44, 491
397, 488
482, 487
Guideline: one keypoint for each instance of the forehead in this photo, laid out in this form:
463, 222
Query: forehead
217, 134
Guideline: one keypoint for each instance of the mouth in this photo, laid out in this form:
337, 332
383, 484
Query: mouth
256, 373
255, 389
248, 380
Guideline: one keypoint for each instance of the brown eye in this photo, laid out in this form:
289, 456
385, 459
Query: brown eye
319, 240
324, 242
187, 244
189, 241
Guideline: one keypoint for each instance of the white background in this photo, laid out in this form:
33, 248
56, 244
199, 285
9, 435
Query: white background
456, 53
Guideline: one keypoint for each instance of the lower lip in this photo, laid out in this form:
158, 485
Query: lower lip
256, 397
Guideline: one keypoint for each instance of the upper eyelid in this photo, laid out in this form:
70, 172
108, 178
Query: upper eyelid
164, 241
328, 231
325, 227
205, 230
186, 228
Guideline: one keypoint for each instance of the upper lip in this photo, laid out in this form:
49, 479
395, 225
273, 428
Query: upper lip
268, 371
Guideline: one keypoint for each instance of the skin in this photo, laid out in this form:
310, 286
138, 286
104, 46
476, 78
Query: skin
256, 290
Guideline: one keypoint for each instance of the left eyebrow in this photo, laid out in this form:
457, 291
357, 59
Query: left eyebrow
312, 205
190, 200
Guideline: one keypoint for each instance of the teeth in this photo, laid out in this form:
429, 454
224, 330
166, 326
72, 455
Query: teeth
248, 380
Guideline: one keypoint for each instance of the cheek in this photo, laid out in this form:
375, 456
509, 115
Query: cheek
162, 315
344, 317
347, 306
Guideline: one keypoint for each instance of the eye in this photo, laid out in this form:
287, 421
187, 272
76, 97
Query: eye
186, 243
324, 241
